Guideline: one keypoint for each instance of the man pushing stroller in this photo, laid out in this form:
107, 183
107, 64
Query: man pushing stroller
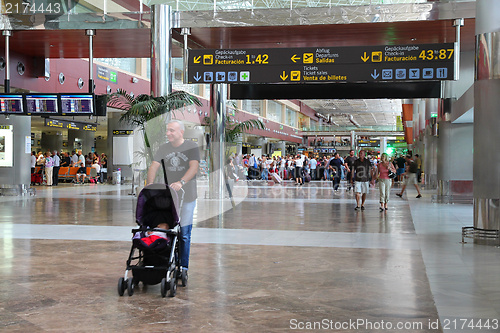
181, 161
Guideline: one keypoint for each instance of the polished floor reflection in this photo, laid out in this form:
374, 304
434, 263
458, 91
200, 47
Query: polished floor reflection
286, 258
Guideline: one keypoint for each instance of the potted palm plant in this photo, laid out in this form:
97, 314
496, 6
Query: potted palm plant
140, 111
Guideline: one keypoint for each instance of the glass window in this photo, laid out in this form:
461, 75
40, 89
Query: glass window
291, 117
274, 111
251, 106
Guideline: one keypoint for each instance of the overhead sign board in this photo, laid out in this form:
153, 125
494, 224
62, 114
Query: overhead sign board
106, 74
368, 143
385, 63
123, 132
70, 125
396, 143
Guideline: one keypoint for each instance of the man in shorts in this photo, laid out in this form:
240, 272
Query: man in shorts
400, 162
411, 176
363, 175
81, 173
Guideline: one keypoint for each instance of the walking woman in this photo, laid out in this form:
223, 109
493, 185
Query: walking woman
384, 182
49, 168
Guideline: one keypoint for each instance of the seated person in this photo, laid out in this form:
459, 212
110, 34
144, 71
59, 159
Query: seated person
152, 236
81, 173
97, 167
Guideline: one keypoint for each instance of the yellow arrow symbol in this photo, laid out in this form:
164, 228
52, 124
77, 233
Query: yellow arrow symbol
197, 60
365, 58
295, 58
284, 76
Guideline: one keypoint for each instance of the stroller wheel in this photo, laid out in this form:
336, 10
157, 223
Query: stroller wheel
184, 277
173, 288
121, 286
130, 287
164, 287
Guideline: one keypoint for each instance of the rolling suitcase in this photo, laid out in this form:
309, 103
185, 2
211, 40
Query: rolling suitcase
36, 178
307, 178
276, 178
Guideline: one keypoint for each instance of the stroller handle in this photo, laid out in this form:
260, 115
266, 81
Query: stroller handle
181, 202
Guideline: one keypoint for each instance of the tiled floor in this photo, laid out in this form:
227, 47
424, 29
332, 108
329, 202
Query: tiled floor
286, 258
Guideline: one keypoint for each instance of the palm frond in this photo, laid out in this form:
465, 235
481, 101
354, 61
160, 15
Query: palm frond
236, 129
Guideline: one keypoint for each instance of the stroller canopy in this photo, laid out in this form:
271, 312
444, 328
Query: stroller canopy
156, 204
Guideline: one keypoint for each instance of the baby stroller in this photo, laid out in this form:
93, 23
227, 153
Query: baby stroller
155, 260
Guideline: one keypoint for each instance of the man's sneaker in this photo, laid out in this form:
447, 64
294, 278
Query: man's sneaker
419, 196
362, 207
357, 208
399, 195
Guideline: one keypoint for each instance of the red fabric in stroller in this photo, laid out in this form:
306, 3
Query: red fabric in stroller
156, 204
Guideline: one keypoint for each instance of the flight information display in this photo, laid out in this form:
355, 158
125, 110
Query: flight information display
77, 104
41, 104
11, 103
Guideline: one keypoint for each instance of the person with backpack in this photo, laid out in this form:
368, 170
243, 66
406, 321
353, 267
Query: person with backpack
411, 176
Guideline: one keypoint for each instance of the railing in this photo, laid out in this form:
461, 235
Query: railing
478, 233
333, 128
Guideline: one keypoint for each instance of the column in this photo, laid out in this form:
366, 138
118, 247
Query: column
281, 146
51, 142
80, 140
408, 122
486, 118
218, 96
383, 145
353, 141
19, 175
161, 49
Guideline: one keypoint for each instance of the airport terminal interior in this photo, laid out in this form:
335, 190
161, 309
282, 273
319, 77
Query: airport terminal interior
303, 78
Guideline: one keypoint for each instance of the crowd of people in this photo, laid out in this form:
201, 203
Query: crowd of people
360, 172
50, 162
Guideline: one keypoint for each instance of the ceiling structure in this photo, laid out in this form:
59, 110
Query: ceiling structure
348, 26
364, 112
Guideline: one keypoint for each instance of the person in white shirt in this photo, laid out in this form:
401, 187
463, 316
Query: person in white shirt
74, 159
55, 170
313, 163
81, 158
252, 170
299, 163
33, 161
265, 167
282, 166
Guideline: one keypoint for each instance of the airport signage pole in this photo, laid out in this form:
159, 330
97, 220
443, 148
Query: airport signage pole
7, 34
91, 34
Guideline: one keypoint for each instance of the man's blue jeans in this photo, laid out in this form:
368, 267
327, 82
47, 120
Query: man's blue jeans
187, 212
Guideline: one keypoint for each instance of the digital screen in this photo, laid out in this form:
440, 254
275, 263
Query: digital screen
11, 103
77, 104
41, 104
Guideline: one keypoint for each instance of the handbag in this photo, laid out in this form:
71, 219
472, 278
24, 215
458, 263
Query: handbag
391, 174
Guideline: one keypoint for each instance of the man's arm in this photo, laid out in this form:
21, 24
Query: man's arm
190, 173
153, 168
